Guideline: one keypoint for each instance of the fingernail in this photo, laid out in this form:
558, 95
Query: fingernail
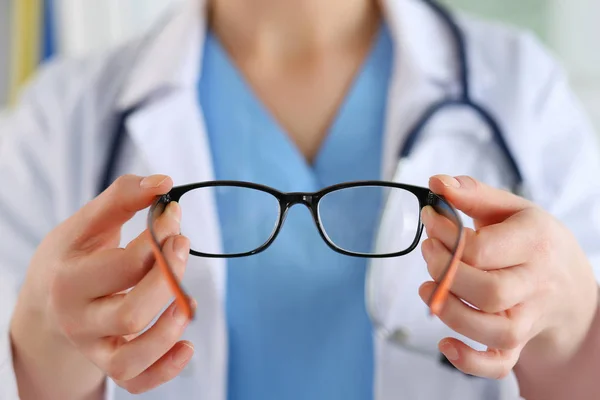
180, 247
449, 351
180, 316
427, 214
152, 181
449, 181
183, 354
174, 211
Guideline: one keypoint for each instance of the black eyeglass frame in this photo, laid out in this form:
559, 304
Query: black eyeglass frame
311, 200
424, 196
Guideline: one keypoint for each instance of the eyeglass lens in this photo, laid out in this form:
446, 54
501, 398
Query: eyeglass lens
347, 215
258, 215
341, 213
254, 220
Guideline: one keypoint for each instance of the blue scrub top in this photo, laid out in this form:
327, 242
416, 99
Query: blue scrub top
297, 323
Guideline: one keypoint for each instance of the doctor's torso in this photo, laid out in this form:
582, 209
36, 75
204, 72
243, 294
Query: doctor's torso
167, 133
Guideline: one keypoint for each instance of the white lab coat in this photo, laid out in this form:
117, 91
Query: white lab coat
54, 148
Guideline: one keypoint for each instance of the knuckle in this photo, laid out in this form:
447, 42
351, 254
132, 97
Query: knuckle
123, 182
545, 236
169, 334
116, 369
469, 182
510, 340
496, 298
120, 187
129, 321
167, 373
504, 371
513, 337
435, 228
70, 328
543, 245
170, 226
166, 228
133, 389
480, 252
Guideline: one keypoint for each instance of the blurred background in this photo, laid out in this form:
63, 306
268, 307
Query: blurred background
32, 31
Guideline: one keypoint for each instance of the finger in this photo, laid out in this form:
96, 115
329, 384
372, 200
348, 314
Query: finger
131, 313
491, 364
439, 227
113, 207
485, 204
114, 270
494, 246
165, 369
495, 331
129, 359
489, 291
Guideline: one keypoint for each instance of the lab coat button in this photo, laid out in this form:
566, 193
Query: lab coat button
400, 335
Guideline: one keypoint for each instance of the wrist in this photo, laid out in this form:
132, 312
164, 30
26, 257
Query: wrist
573, 377
43, 357
558, 344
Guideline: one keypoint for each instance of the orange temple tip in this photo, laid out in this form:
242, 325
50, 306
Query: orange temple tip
436, 303
434, 310
187, 307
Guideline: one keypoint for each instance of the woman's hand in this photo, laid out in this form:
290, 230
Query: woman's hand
74, 322
532, 289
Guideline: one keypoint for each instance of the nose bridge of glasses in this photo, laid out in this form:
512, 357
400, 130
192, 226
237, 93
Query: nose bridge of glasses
307, 199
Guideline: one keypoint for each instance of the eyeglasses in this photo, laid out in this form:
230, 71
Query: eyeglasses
338, 212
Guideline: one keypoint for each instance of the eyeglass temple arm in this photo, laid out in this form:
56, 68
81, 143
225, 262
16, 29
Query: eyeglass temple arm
181, 298
438, 298
440, 294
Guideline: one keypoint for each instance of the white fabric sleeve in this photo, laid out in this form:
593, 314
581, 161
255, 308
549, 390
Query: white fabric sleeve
37, 188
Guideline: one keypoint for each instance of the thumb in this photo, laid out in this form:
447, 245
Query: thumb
115, 206
485, 204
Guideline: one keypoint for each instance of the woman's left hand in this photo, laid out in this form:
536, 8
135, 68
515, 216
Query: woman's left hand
533, 291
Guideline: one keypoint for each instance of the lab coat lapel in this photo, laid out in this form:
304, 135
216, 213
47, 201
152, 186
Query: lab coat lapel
421, 74
425, 72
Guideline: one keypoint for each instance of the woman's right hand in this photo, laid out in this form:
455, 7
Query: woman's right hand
75, 322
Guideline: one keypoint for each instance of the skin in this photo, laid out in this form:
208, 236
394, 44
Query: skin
533, 291
299, 57
74, 320
300, 63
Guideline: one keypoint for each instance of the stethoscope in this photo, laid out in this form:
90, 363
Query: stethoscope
463, 99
